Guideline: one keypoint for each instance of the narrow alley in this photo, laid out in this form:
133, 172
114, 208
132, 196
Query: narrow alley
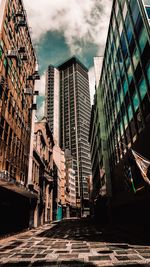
74, 242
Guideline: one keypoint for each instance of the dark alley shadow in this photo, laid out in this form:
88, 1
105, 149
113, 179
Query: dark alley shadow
72, 263
69, 263
88, 230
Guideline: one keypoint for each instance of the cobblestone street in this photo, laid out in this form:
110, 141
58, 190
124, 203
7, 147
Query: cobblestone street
71, 243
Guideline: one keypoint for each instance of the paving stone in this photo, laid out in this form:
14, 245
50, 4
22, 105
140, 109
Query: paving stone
121, 252
131, 264
143, 250
145, 255
49, 251
122, 258
23, 255
80, 250
79, 246
68, 256
40, 255
99, 258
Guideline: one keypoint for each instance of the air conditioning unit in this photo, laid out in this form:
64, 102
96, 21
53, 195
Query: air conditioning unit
23, 57
28, 91
12, 53
4, 174
22, 49
36, 92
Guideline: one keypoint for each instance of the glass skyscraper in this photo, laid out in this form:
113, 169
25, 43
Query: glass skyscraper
124, 91
125, 76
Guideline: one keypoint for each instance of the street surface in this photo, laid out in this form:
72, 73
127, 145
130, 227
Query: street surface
74, 243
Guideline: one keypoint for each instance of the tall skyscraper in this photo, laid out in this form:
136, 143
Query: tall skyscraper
52, 101
74, 117
124, 97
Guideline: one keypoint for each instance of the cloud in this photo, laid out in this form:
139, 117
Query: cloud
81, 27
77, 20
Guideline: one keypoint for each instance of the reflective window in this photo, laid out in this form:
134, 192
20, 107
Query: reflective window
137, 19
148, 72
128, 28
134, 9
136, 57
130, 74
125, 121
116, 8
121, 128
123, 45
124, 12
125, 87
143, 39
118, 104
142, 88
148, 11
130, 112
135, 101
121, 97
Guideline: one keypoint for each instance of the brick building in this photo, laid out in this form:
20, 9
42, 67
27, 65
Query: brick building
17, 79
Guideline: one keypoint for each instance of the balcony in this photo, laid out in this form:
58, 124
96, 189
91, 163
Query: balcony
34, 76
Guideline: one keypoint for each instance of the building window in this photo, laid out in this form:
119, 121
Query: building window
148, 72
136, 57
148, 11
135, 102
130, 112
142, 88
143, 39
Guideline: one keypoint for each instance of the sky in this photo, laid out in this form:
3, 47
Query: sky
63, 28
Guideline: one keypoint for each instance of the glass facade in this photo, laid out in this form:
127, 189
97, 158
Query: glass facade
125, 77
